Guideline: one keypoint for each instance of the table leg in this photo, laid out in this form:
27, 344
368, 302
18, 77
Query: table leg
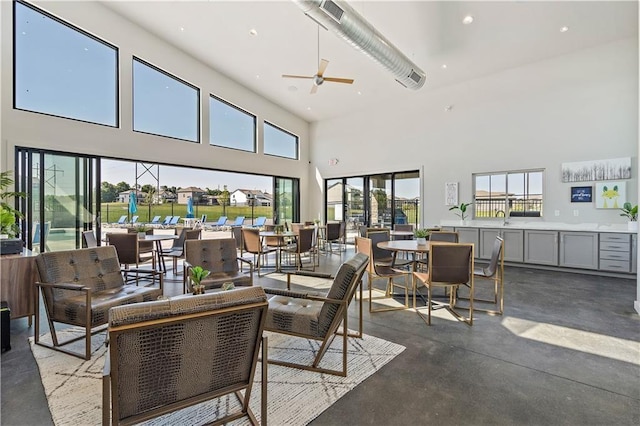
161, 264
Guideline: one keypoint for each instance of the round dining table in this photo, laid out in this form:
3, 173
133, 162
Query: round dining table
281, 236
158, 239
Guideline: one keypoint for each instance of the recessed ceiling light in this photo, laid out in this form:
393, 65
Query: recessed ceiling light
444, 66
564, 29
253, 32
258, 77
467, 19
182, 29
308, 108
448, 108
359, 92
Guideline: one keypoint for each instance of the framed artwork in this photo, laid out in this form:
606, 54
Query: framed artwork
581, 194
615, 168
451, 194
610, 195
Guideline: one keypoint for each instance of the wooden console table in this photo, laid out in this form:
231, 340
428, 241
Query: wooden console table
18, 274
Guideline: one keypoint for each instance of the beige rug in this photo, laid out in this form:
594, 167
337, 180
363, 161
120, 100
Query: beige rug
295, 397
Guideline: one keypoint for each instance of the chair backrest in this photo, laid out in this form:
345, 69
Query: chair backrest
333, 231
36, 232
178, 243
122, 220
295, 227
251, 238
343, 288
201, 366
305, 239
167, 220
134, 219
236, 233
89, 239
239, 221
260, 221
221, 221
444, 236
380, 254
126, 245
403, 227
363, 245
155, 220
496, 257
450, 262
203, 219
193, 234
174, 220
216, 254
97, 268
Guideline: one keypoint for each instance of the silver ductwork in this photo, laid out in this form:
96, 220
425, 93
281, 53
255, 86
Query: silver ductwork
343, 20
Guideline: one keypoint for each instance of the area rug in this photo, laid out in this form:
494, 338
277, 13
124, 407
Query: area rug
295, 397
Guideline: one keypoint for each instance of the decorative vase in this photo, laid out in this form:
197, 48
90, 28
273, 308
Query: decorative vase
632, 226
198, 289
142, 235
421, 241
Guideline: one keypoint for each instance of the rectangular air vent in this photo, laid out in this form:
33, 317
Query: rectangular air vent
415, 76
332, 9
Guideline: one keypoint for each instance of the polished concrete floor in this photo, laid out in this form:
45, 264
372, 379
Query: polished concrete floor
566, 352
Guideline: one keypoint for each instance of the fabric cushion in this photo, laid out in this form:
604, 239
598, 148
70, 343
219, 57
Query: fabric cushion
294, 315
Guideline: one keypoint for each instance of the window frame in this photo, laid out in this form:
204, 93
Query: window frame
80, 31
229, 104
134, 59
296, 137
508, 209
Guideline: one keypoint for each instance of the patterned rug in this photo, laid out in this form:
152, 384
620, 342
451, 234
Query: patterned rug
295, 397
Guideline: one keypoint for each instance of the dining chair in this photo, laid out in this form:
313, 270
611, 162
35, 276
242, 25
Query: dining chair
129, 254
444, 236
253, 245
494, 271
89, 239
450, 266
382, 256
143, 246
303, 244
176, 251
335, 234
386, 271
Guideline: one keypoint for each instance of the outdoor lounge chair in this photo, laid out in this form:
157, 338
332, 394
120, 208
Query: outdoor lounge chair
260, 221
238, 222
122, 220
155, 221
174, 221
219, 224
317, 317
166, 221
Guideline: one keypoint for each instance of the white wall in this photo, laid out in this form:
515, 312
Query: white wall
581, 106
20, 128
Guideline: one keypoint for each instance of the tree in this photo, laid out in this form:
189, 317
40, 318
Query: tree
122, 186
214, 191
150, 192
224, 198
108, 192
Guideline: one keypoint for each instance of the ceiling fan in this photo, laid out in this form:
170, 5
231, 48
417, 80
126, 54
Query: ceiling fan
319, 77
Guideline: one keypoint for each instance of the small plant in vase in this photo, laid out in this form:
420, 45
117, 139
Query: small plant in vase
631, 213
461, 210
421, 236
198, 273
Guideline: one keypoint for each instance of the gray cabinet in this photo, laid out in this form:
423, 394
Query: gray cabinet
541, 247
513, 243
469, 235
579, 250
615, 252
634, 253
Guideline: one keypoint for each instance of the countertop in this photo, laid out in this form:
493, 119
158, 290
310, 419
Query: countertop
540, 225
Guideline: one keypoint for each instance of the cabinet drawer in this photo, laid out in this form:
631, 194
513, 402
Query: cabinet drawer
614, 265
615, 238
614, 255
613, 246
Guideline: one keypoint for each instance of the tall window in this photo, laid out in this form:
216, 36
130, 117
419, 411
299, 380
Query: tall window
231, 127
279, 142
163, 104
63, 71
514, 193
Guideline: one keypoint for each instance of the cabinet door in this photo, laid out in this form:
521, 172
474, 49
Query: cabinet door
541, 247
513, 245
634, 253
487, 238
469, 235
579, 250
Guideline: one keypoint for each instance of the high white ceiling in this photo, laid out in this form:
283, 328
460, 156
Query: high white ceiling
504, 34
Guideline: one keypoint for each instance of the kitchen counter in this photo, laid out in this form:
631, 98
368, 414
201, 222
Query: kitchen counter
539, 225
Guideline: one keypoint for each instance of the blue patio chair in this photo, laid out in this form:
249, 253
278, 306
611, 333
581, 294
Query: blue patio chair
239, 221
219, 224
203, 219
122, 220
260, 221
35, 242
166, 221
134, 219
155, 220
174, 221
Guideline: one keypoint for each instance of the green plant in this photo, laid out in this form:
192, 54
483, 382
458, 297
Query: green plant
422, 233
629, 211
142, 228
462, 208
8, 214
198, 273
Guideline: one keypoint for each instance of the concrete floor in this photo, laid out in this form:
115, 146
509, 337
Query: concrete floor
566, 352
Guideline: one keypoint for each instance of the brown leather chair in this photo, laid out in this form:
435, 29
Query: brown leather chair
304, 244
176, 251
254, 246
129, 254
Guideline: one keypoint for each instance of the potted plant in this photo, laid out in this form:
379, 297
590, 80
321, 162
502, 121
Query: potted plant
421, 236
198, 273
631, 213
8, 214
143, 231
462, 210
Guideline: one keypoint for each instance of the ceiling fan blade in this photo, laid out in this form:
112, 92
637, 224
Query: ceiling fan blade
295, 76
314, 89
322, 67
339, 80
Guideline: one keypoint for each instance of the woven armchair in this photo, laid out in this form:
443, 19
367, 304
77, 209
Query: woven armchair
170, 354
317, 317
78, 288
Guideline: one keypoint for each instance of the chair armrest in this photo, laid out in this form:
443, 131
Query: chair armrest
311, 274
64, 286
289, 293
250, 263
